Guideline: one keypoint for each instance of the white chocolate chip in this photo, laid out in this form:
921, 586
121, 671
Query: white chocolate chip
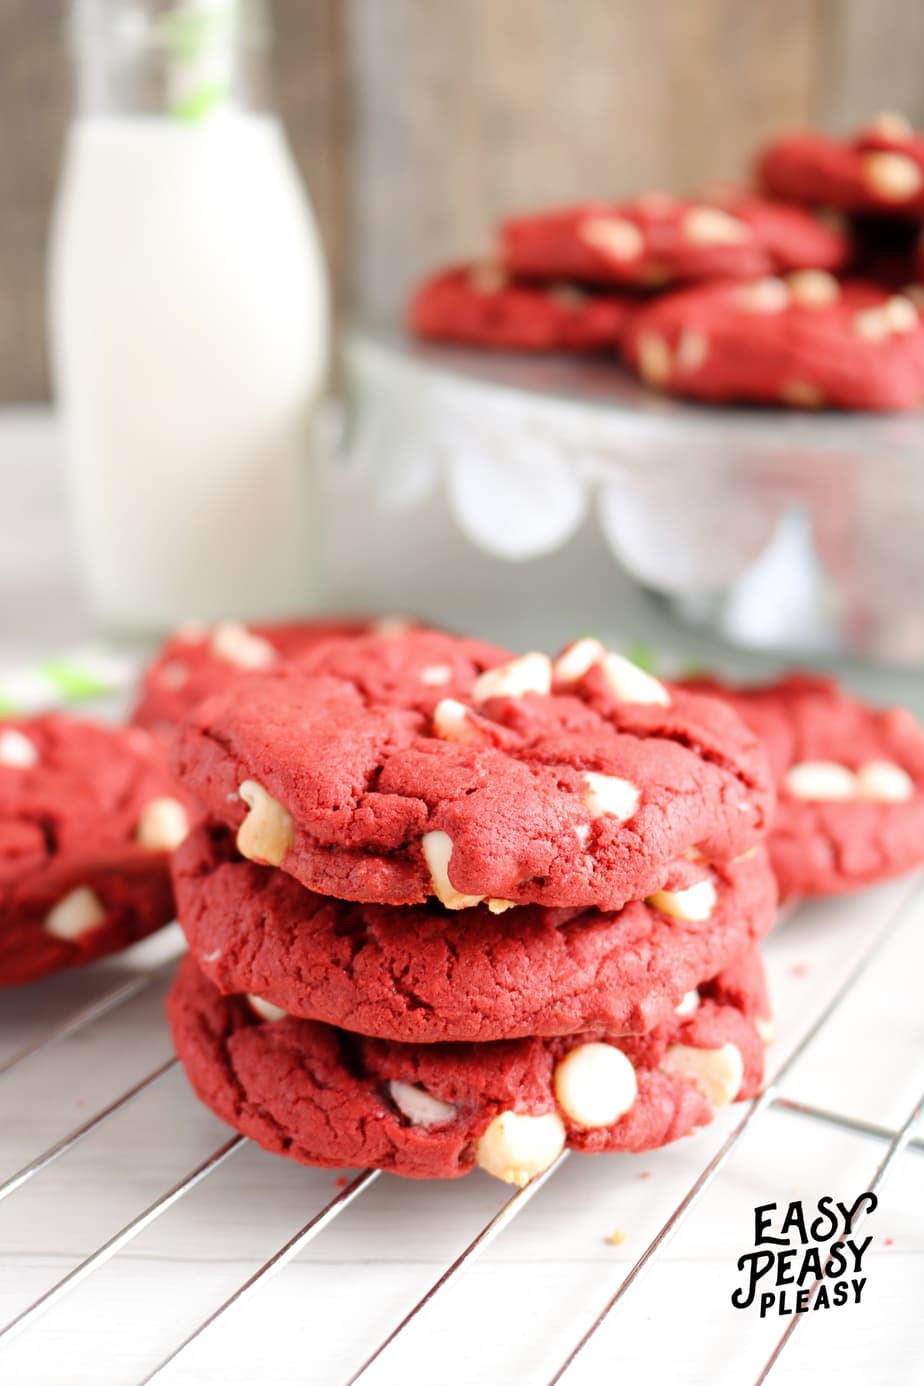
237, 645
801, 393
820, 781
435, 674
452, 721
529, 673
712, 226
901, 314
163, 825
573, 663
487, 278
716, 1073
687, 1004
884, 782
613, 236
872, 324
692, 350
765, 1029
497, 906
630, 684
892, 126
437, 850
516, 1147
420, 1108
654, 358
75, 913
608, 796
266, 1010
693, 905
582, 833
595, 1085
768, 295
17, 750
814, 288
893, 176
267, 832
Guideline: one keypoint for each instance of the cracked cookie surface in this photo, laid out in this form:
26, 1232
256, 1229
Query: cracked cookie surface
198, 660
391, 771
325, 1097
423, 974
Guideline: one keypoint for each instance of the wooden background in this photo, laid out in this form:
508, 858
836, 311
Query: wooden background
417, 122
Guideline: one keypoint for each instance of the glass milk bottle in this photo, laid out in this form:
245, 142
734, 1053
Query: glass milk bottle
189, 319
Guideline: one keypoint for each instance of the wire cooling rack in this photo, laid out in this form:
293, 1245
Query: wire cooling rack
140, 1241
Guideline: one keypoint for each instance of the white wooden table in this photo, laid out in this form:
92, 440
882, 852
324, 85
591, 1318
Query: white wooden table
514, 1313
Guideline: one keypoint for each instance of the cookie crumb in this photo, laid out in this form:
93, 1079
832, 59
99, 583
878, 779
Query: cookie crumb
616, 1237
888, 1241
341, 1181
645, 1174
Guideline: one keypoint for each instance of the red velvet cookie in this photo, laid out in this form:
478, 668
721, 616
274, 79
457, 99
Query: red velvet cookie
420, 974
850, 779
806, 341
88, 817
793, 238
659, 240
480, 305
196, 662
326, 1097
879, 170
389, 771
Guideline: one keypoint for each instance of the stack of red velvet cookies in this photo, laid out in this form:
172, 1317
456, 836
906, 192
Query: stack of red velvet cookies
802, 292
449, 907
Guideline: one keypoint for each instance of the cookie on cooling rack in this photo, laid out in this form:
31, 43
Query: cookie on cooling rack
481, 305
88, 819
879, 170
658, 240
807, 341
850, 780
422, 975
198, 660
327, 1097
394, 770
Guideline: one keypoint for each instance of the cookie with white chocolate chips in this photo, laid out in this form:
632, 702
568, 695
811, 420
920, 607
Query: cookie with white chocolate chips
481, 305
807, 341
88, 818
324, 1096
392, 771
422, 975
850, 779
658, 240
880, 170
198, 660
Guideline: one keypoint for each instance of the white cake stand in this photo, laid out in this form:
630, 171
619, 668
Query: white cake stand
792, 532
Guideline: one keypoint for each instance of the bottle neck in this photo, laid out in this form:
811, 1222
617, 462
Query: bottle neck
185, 60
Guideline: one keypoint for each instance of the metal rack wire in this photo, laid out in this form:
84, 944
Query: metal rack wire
896, 1142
